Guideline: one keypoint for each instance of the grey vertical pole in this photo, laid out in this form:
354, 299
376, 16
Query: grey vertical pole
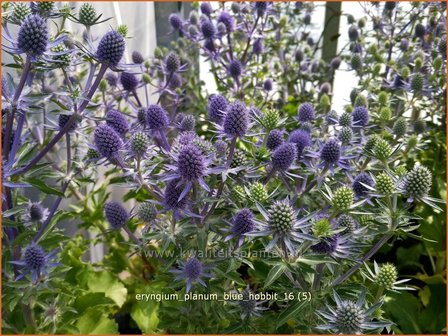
331, 34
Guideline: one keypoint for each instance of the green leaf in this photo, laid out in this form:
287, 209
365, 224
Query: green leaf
42, 186
105, 282
145, 315
90, 300
274, 274
94, 321
290, 312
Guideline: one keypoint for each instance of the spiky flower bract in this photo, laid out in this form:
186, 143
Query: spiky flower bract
350, 317
192, 271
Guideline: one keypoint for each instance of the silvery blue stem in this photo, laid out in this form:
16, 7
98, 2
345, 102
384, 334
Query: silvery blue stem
68, 125
17, 137
369, 254
164, 141
221, 186
17, 93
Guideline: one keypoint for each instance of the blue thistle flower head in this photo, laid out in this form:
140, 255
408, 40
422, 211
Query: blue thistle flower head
137, 57
35, 261
325, 88
353, 33
267, 85
326, 245
236, 120
117, 121
208, 29
171, 199
107, 141
404, 44
301, 139
261, 7
419, 30
360, 183
156, 117
206, 8
111, 79
283, 156
62, 121
111, 48
227, 19
235, 68
360, 116
306, 112
129, 81
243, 222
191, 163
193, 268
331, 152
172, 63
209, 45
307, 19
116, 215
221, 147
258, 48
335, 62
34, 257
332, 118
192, 271
275, 139
217, 106
357, 48
175, 21
33, 35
